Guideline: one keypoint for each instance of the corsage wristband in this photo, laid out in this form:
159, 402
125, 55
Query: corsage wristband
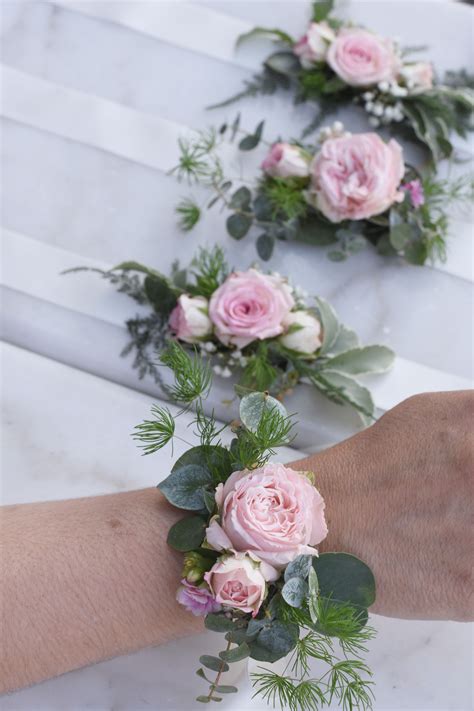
336, 63
250, 324
345, 191
250, 562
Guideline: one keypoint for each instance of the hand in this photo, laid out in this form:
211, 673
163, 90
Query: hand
399, 495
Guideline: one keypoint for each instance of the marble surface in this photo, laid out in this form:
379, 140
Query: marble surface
102, 207
422, 666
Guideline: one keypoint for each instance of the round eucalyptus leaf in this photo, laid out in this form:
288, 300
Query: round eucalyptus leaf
238, 225
344, 578
184, 487
236, 654
213, 663
285, 63
187, 534
294, 591
218, 623
274, 641
252, 407
299, 567
265, 244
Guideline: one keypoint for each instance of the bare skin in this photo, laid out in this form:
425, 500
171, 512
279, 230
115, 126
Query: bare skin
95, 578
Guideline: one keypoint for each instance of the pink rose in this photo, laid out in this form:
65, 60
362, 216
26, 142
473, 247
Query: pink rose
361, 58
189, 320
196, 598
249, 306
313, 46
273, 513
286, 161
236, 581
355, 177
418, 77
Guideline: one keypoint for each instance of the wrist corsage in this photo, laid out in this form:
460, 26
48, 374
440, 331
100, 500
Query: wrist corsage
250, 324
337, 63
251, 566
345, 191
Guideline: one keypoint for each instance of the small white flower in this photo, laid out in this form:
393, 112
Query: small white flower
338, 127
378, 109
389, 112
369, 107
217, 369
374, 121
243, 361
237, 354
209, 346
324, 133
368, 95
384, 86
226, 372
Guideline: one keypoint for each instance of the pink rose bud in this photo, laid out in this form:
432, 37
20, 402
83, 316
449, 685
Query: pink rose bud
189, 319
236, 581
361, 58
418, 76
274, 513
306, 337
356, 176
197, 598
286, 161
250, 306
417, 195
313, 46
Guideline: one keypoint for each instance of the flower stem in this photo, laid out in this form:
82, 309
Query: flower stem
219, 674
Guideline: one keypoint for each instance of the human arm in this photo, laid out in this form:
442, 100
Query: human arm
88, 579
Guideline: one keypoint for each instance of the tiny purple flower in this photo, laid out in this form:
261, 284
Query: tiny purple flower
415, 188
196, 599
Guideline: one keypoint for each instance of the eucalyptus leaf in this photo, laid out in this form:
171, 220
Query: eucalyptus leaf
416, 253
274, 641
218, 623
285, 63
337, 255
241, 199
362, 360
298, 568
187, 534
400, 235
265, 244
329, 322
238, 225
136, 267
213, 663
226, 689
210, 457
314, 231
236, 654
184, 487
345, 578
262, 207
160, 294
313, 592
294, 591
248, 143
271, 33
252, 407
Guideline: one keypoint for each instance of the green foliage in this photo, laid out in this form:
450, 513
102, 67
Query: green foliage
192, 376
218, 623
345, 578
253, 406
238, 225
321, 9
184, 487
275, 34
259, 374
189, 214
210, 269
286, 197
265, 244
362, 360
273, 641
251, 141
156, 433
294, 591
187, 534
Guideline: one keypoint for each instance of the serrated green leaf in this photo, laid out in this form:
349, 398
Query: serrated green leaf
294, 591
252, 407
238, 225
362, 360
184, 487
329, 322
187, 534
213, 663
236, 654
